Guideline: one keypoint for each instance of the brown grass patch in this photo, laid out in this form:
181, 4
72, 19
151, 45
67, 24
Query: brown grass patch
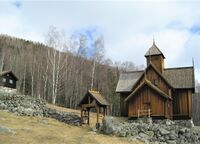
40, 130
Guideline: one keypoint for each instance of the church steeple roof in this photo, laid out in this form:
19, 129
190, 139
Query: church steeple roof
154, 50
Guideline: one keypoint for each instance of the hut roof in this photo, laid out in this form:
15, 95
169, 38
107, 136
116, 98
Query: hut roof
179, 78
97, 96
8, 72
153, 50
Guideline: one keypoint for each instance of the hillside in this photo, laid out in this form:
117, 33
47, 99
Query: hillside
34, 130
58, 77
25, 119
36, 121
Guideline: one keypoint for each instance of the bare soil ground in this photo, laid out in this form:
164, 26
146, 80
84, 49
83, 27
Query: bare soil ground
40, 130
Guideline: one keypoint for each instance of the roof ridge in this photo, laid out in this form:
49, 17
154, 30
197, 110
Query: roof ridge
133, 71
185, 67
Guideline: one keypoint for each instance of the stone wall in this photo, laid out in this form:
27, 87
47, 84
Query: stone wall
7, 90
159, 131
29, 106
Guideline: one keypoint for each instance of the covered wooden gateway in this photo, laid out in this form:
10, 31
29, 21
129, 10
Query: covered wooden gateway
93, 99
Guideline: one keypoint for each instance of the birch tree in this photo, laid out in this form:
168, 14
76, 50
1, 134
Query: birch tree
98, 55
2, 60
56, 41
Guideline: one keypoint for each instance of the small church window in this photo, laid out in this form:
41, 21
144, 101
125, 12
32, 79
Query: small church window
4, 80
155, 82
11, 81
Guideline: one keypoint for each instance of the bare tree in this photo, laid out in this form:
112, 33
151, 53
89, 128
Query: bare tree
97, 56
2, 60
56, 41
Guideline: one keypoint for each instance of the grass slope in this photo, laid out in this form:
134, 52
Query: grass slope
40, 130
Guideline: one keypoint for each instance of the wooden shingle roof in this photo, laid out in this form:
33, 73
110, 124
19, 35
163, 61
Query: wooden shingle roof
178, 78
153, 50
97, 96
127, 80
8, 72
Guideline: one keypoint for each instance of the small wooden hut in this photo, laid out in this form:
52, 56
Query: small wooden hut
93, 99
8, 79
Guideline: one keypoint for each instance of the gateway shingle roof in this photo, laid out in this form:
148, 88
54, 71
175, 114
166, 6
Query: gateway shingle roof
97, 96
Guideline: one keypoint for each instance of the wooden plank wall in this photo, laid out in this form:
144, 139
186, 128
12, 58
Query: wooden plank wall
180, 102
140, 100
152, 75
157, 61
196, 109
123, 105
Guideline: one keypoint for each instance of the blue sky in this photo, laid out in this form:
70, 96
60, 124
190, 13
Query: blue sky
128, 27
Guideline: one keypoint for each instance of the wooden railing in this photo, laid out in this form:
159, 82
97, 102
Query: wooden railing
144, 112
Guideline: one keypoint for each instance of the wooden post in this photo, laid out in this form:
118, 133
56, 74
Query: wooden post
149, 113
81, 116
97, 114
88, 117
138, 113
104, 111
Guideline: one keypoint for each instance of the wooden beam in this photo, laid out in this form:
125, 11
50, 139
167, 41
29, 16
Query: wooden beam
88, 105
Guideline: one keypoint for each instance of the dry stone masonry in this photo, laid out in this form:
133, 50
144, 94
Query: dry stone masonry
29, 106
158, 131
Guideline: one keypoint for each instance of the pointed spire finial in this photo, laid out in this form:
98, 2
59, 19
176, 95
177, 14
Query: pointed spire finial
193, 62
153, 40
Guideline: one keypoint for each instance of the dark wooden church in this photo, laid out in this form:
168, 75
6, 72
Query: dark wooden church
157, 92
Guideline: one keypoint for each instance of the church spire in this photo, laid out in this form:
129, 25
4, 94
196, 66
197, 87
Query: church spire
155, 56
154, 50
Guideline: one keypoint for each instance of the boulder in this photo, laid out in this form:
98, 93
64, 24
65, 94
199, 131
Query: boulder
4, 130
111, 125
163, 131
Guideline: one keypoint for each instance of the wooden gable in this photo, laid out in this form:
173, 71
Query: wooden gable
151, 86
156, 78
94, 98
147, 96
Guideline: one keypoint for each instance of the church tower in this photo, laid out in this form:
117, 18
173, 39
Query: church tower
155, 57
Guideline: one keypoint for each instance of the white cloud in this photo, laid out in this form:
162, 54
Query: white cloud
128, 27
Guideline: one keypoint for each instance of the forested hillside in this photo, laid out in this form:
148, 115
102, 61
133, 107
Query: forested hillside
64, 75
